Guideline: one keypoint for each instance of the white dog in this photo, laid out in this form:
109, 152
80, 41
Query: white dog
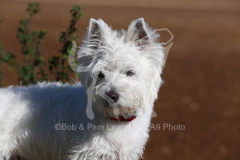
55, 121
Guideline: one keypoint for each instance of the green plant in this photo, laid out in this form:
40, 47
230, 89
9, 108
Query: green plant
57, 64
31, 69
6, 58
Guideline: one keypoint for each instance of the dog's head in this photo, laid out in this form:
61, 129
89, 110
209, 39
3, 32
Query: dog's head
124, 68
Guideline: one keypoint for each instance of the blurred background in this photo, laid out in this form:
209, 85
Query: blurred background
201, 89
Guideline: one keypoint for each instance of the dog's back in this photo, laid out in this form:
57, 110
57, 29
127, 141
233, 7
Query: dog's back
28, 116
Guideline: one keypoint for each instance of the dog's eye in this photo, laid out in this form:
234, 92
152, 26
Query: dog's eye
130, 73
101, 75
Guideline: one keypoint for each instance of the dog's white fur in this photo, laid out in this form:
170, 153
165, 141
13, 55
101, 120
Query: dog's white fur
28, 115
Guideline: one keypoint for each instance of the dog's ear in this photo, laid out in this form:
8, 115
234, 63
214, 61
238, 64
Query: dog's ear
138, 33
94, 34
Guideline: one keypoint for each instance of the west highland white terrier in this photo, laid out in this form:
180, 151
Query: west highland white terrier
106, 116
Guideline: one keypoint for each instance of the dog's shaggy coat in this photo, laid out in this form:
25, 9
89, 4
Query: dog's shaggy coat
128, 64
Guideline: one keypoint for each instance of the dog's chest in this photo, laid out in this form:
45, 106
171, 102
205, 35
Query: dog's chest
116, 144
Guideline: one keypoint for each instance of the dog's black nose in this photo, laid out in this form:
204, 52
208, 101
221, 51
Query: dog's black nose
113, 95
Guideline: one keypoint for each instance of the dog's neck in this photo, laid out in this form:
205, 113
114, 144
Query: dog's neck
123, 119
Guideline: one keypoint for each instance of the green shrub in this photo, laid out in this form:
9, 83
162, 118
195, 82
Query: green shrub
32, 68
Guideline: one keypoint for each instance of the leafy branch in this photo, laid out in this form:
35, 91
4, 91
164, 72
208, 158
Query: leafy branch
57, 64
32, 67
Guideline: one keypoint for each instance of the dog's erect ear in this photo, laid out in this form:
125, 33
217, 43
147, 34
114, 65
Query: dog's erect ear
94, 34
137, 32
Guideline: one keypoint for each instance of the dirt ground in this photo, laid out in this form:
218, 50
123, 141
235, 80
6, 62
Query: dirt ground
201, 92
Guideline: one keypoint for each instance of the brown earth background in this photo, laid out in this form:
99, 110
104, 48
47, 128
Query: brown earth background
201, 90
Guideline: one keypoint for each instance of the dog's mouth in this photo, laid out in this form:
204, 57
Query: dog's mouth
123, 118
117, 112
